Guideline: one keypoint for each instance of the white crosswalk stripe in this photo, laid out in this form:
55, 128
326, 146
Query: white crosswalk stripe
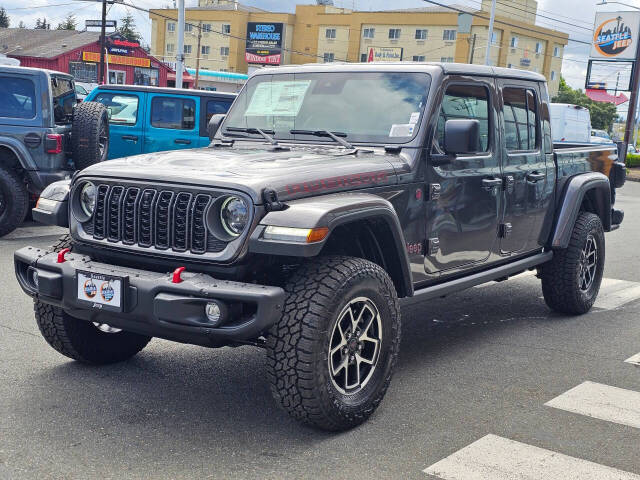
634, 360
497, 458
600, 401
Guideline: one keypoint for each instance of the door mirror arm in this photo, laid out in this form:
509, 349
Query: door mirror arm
439, 160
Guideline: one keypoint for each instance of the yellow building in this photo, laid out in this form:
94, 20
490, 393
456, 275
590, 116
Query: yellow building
323, 33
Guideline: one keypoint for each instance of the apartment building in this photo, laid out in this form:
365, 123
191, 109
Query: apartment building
324, 33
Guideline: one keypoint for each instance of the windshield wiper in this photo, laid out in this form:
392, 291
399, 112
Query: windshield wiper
325, 133
265, 133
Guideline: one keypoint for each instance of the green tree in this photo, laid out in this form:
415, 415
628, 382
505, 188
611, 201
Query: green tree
4, 18
128, 30
602, 113
42, 24
69, 23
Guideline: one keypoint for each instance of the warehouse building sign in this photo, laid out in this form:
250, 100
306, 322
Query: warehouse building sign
264, 43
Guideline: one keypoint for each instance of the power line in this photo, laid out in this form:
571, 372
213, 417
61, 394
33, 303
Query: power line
502, 21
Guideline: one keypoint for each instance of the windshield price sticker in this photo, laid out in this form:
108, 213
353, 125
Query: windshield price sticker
282, 99
402, 130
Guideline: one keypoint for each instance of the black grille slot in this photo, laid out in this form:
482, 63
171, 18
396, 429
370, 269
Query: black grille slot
198, 227
181, 209
145, 219
99, 214
163, 219
167, 219
129, 213
114, 213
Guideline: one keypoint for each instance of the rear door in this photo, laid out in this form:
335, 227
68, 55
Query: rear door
126, 121
172, 122
524, 167
210, 106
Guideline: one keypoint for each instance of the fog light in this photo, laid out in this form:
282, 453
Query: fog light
213, 312
34, 277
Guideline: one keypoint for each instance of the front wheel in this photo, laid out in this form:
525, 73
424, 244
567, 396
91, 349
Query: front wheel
331, 355
571, 280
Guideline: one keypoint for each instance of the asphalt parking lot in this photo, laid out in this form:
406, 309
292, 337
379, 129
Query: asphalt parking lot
486, 377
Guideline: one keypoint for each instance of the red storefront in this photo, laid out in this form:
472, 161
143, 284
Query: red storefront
127, 63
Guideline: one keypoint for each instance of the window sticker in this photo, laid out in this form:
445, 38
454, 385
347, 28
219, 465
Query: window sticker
402, 130
415, 116
277, 99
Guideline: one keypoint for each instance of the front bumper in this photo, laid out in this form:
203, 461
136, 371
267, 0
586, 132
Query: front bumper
153, 305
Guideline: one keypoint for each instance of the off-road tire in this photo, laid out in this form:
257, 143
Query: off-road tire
82, 340
298, 344
14, 200
90, 128
560, 276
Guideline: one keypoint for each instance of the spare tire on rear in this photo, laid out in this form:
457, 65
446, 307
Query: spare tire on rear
89, 134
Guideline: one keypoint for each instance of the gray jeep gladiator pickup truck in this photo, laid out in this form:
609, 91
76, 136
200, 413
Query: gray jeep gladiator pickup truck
44, 136
328, 193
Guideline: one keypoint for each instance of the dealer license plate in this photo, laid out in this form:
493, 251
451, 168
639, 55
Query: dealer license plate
102, 291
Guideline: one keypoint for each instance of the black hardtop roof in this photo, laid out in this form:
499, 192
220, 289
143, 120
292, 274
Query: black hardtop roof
427, 67
32, 70
173, 91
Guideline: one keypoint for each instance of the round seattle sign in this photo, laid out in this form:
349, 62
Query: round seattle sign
612, 37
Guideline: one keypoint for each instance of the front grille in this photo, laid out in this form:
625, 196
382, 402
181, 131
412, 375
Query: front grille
159, 218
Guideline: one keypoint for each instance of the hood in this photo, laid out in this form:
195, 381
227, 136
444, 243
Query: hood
300, 172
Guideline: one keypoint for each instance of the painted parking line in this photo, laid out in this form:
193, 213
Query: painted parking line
616, 293
635, 360
34, 232
601, 401
497, 458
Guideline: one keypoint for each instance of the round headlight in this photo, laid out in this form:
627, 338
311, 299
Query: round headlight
234, 214
88, 195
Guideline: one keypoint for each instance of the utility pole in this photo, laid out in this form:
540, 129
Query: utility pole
198, 54
631, 113
491, 19
180, 55
102, 41
473, 47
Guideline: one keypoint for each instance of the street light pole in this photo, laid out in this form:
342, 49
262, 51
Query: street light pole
195, 85
180, 56
102, 41
491, 19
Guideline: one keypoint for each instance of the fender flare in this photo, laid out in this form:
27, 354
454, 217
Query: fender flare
332, 211
594, 184
20, 151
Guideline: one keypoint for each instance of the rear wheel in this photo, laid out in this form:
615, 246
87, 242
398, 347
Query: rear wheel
94, 343
331, 355
14, 200
571, 280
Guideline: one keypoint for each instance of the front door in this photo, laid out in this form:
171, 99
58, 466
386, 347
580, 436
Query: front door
463, 217
126, 121
172, 122
524, 168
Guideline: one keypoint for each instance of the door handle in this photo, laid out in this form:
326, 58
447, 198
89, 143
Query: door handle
182, 141
489, 184
130, 137
535, 177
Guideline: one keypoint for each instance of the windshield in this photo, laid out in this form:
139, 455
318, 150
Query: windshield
367, 107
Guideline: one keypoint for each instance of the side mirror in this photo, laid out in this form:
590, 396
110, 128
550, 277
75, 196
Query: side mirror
214, 123
461, 136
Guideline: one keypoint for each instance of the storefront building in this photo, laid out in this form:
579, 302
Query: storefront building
78, 53
238, 38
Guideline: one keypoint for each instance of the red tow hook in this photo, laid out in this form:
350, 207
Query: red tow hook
61, 255
176, 275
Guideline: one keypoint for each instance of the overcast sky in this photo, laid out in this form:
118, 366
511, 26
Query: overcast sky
571, 16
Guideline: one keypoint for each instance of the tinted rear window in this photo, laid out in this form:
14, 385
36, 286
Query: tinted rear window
17, 97
172, 112
216, 106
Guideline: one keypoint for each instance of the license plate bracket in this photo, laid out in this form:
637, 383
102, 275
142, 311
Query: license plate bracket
101, 291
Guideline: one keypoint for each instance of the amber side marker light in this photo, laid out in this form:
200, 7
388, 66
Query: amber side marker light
297, 235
